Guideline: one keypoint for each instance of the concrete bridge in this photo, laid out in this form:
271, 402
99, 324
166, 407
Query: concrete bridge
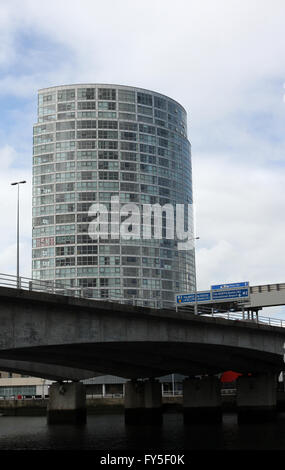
66, 338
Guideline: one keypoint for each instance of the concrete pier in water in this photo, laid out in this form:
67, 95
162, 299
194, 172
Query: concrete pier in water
202, 400
143, 403
67, 403
256, 398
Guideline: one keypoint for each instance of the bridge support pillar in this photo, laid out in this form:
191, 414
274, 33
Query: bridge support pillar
202, 400
143, 402
67, 403
256, 398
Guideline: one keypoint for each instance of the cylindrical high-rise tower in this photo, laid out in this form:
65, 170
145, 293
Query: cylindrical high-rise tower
93, 142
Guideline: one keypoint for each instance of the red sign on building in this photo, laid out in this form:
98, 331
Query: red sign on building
45, 241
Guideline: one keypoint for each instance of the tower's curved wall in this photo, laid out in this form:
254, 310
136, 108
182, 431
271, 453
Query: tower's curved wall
92, 142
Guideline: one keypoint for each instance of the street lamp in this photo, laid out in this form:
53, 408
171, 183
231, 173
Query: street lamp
18, 237
195, 304
196, 301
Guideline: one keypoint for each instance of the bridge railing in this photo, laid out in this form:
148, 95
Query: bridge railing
236, 316
25, 283
58, 287
241, 317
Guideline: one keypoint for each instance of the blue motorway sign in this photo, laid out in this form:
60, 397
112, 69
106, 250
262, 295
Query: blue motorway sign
230, 286
191, 298
185, 298
203, 296
230, 294
213, 295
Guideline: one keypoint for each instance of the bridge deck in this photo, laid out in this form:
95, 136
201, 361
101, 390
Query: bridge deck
56, 336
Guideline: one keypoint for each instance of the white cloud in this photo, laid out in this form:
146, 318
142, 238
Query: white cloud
7, 157
239, 217
206, 54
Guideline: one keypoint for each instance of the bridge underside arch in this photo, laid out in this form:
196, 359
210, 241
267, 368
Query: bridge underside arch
135, 360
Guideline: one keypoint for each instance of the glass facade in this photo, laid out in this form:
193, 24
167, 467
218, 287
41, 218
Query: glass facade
93, 142
14, 391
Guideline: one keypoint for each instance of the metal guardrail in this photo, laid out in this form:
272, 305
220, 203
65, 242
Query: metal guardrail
57, 287
239, 316
244, 314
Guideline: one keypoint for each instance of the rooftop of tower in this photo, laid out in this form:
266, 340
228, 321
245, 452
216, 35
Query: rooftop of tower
109, 85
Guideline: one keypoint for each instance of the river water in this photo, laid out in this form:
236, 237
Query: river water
109, 432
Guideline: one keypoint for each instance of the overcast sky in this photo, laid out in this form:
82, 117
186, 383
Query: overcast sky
223, 60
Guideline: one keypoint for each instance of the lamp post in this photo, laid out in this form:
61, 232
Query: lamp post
18, 231
196, 301
195, 305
